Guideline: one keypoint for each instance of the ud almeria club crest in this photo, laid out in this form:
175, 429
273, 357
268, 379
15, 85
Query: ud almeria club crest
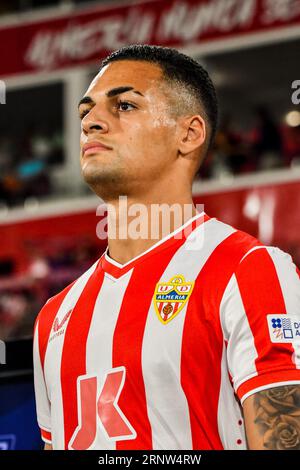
170, 297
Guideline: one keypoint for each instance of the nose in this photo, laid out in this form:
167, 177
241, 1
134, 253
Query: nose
92, 122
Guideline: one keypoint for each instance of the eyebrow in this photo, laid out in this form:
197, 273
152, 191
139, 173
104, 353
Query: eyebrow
110, 94
122, 89
86, 100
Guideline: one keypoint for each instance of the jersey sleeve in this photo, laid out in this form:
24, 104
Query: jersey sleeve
260, 304
43, 408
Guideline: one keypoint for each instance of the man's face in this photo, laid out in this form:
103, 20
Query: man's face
135, 124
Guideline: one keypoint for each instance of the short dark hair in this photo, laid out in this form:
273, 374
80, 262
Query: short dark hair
178, 68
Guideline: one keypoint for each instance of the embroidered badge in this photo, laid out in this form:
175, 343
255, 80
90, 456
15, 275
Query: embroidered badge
170, 297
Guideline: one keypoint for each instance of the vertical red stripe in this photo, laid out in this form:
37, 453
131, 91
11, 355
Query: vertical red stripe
262, 295
46, 318
203, 340
127, 343
175, 308
73, 363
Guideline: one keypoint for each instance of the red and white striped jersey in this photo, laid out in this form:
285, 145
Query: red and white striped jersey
159, 353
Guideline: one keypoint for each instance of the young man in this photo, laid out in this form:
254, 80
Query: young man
181, 341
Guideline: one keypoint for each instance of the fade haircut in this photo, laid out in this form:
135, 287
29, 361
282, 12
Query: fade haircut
178, 70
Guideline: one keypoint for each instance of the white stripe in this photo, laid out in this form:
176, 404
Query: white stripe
238, 333
99, 347
229, 413
290, 287
41, 396
250, 251
266, 387
52, 365
46, 440
167, 405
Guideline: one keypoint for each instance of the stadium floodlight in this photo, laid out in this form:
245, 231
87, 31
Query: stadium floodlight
293, 118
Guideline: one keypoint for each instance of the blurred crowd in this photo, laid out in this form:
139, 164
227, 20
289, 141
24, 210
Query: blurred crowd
49, 269
25, 163
264, 146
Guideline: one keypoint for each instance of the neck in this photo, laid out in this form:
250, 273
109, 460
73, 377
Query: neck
134, 226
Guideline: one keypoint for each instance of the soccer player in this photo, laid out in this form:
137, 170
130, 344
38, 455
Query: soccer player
187, 340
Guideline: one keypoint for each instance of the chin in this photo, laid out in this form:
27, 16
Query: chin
106, 184
93, 172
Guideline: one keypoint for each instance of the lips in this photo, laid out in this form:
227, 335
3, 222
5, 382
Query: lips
93, 147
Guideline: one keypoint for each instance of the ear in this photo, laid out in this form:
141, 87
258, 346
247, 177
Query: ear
192, 134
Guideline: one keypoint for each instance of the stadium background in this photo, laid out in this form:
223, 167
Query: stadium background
50, 50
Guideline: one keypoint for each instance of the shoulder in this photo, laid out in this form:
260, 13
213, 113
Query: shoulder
46, 316
233, 244
250, 247
246, 260
267, 259
264, 279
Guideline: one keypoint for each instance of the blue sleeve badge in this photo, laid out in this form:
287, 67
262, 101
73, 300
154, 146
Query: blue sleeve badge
284, 328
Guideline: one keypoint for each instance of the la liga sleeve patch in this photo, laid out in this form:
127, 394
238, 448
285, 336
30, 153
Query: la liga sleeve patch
284, 328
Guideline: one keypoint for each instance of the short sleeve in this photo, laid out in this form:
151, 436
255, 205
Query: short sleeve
43, 408
260, 304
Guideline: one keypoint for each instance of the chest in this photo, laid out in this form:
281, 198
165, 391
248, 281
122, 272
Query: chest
154, 334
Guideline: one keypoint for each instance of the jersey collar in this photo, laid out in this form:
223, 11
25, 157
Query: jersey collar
117, 270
